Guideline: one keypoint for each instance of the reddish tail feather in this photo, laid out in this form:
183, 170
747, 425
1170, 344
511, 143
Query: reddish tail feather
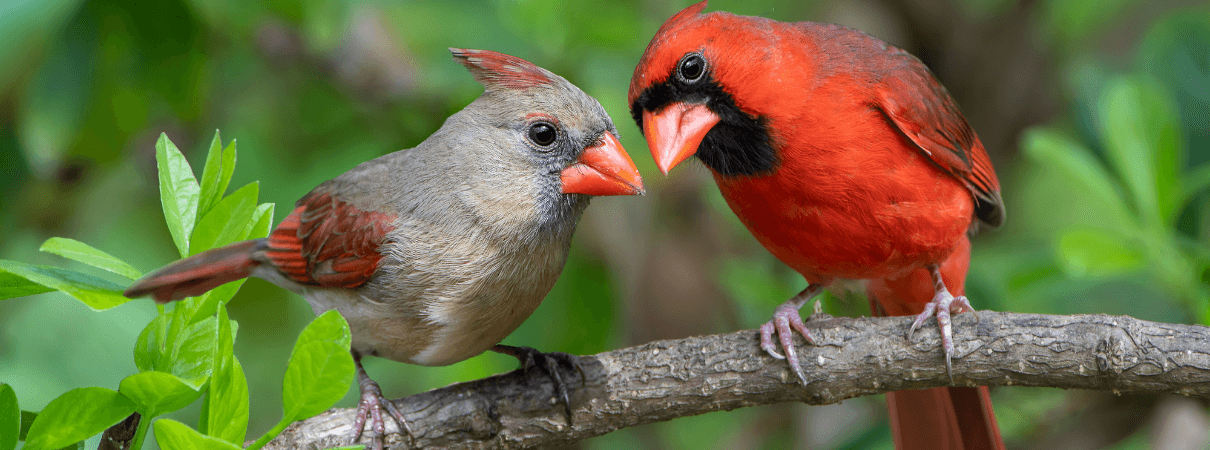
948, 418
199, 273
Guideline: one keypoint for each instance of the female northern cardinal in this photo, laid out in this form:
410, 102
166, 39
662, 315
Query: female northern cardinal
846, 158
436, 253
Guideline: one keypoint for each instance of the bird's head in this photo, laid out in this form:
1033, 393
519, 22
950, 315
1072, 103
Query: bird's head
703, 87
539, 135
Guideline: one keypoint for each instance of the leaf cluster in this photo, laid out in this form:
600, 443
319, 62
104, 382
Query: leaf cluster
186, 352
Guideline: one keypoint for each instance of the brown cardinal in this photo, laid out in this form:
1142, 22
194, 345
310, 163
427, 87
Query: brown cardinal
845, 158
436, 253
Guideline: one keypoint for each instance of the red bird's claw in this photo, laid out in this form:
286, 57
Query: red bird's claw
369, 411
785, 321
929, 309
766, 340
943, 305
964, 305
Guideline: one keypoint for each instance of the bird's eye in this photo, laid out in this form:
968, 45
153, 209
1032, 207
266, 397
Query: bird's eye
543, 134
692, 67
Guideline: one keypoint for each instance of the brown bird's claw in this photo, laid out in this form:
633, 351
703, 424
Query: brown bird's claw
547, 363
369, 411
786, 321
943, 305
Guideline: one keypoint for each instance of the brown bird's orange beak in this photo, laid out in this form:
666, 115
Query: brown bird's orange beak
603, 169
674, 133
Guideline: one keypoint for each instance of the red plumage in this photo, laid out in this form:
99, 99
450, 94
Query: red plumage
324, 242
957, 417
197, 274
327, 242
846, 159
497, 70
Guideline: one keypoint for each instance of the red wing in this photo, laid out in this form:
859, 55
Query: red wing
327, 242
922, 109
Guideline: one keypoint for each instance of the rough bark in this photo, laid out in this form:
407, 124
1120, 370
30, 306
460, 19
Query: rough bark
853, 357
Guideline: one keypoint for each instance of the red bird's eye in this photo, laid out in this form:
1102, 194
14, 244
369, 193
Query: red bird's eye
691, 68
543, 134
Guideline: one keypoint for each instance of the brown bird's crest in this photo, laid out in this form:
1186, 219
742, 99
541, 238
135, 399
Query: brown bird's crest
493, 69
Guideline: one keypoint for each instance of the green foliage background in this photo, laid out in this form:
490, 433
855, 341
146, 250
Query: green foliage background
1103, 176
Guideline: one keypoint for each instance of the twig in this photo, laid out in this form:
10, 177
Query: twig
854, 357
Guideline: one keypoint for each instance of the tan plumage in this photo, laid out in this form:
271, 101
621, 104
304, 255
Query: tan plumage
436, 253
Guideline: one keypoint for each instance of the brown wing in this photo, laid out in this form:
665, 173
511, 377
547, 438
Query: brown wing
330, 243
913, 99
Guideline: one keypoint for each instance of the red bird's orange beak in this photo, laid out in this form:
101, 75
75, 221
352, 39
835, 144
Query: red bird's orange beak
674, 133
603, 169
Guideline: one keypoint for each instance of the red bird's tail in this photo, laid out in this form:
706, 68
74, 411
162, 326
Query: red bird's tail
199, 273
948, 418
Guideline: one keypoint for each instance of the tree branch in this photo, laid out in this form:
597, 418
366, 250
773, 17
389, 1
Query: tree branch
853, 357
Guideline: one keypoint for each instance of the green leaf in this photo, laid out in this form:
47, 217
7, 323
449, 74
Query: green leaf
262, 222
149, 347
227, 221
318, 376
181, 342
173, 435
13, 286
192, 356
328, 327
320, 369
27, 419
1061, 153
79, 251
177, 322
1139, 125
220, 164
226, 413
1088, 252
157, 393
98, 294
202, 306
179, 192
223, 294
75, 416
197, 308
194, 309
10, 418
233, 391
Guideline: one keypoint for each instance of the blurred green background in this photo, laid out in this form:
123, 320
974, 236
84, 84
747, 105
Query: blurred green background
1096, 115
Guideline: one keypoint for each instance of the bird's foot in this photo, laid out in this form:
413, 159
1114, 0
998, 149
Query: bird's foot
786, 322
943, 305
547, 363
370, 412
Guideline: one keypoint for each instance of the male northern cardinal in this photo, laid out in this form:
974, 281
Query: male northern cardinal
436, 253
846, 159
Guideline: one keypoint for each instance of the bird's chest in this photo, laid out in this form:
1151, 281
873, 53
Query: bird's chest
856, 213
447, 300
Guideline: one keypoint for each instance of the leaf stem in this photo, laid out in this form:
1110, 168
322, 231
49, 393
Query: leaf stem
277, 429
141, 432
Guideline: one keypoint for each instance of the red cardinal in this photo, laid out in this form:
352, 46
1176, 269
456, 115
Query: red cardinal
436, 253
846, 158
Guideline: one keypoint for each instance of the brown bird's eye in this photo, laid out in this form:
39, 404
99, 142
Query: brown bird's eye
692, 67
542, 133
